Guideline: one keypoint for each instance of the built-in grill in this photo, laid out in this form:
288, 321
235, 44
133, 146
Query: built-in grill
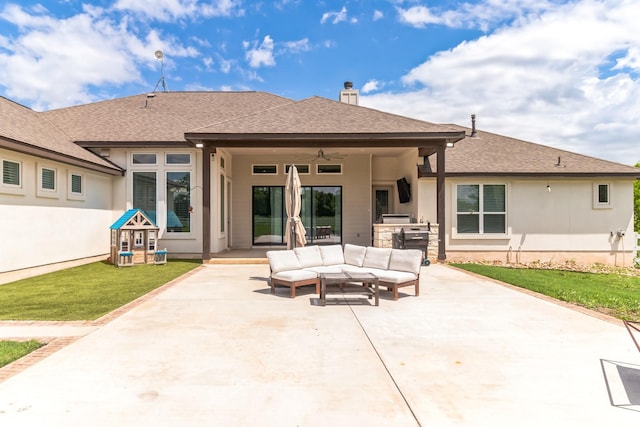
413, 238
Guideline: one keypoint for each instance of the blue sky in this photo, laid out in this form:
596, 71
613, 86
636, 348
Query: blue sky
555, 72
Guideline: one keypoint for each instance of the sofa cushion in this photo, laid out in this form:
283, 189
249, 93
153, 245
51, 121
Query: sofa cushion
309, 256
295, 275
377, 258
408, 260
326, 268
354, 254
332, 254
283, 260
395, 277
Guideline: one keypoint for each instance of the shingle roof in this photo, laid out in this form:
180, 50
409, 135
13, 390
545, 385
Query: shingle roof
491, 154
162, 117
30, 131
320, 115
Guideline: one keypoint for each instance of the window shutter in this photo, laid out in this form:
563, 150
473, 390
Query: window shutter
76, 184
10, 172
48, 179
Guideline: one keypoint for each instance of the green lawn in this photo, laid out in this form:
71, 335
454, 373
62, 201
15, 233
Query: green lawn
14, 350
86, 292
80, 293
615, 294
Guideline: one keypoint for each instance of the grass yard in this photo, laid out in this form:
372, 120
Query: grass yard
615, 294
14, 350
86, 292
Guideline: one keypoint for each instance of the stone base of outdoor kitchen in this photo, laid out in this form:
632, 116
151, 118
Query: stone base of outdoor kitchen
383, 236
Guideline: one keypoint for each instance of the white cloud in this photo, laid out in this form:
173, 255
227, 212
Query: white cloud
371, 86
334, 17
55, 62
377, 15
167, 10
261, 54
484, 14
297, 46
551, 80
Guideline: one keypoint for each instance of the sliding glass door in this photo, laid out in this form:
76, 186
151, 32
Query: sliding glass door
321, 215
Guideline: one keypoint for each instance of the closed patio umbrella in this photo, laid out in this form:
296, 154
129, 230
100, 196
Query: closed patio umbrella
295, 233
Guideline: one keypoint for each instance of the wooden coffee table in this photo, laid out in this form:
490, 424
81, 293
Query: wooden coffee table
369, 284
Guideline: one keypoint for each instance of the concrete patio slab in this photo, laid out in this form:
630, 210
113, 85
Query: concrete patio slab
217, 348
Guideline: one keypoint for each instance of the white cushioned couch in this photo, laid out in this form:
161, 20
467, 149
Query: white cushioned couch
394, 268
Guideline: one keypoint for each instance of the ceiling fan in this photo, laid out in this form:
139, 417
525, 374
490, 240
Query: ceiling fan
322, 155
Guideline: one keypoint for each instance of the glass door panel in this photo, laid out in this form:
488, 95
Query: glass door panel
321, 215
268, 215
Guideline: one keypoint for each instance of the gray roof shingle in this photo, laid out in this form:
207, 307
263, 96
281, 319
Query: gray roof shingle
492, 154
30, 131
162, 117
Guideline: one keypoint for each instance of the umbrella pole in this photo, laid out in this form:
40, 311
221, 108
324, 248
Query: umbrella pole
292, 225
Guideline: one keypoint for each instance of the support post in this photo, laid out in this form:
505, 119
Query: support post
440, 196
206, 202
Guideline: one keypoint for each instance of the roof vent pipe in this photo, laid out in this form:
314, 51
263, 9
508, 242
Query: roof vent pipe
474, 133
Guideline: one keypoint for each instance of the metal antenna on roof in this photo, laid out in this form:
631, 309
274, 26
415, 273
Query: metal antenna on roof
160, 57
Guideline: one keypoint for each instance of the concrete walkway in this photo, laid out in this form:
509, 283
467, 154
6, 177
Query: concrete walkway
217, 349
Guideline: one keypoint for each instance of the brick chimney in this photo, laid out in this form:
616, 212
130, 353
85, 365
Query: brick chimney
349, 95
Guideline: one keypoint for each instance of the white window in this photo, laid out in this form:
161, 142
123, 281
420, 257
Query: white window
602, 195
138, 239
76, 186
265, 169
178, 193
143, 159
329, 169
481, 209
163, 192
151, 246
178, 159
302, 169
47, 182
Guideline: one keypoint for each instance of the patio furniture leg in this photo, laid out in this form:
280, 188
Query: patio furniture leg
293, 291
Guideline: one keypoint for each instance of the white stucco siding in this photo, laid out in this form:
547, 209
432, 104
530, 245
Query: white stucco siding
564, 218
564, 221
44, 227
41, 235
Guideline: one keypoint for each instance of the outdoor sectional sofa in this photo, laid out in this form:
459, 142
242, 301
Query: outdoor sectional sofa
394, 268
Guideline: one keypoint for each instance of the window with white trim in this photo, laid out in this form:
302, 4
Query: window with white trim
177, 159
11, 173
481, 208
143, 159
47, 182
602, 195
178, 193
329, 169
264, 169
76, 186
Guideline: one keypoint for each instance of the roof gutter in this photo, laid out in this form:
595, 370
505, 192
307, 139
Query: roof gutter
62, 158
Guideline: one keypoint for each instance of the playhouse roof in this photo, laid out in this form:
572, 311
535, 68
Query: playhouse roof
134, 219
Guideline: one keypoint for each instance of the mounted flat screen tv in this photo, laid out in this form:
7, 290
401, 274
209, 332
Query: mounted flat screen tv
404, 190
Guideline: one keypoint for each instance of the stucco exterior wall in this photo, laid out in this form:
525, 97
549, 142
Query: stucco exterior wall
45, 227
560, 225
